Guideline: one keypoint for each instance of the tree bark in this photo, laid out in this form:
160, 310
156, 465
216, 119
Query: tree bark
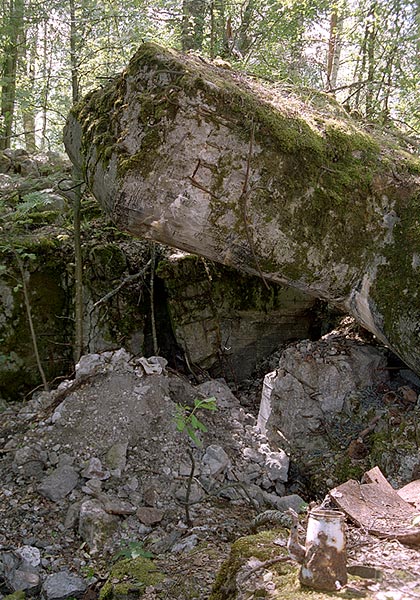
193, 21
334, 48
9, 71
77, 178
28, 60
275, 182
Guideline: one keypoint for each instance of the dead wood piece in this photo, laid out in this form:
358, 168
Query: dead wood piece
377, 507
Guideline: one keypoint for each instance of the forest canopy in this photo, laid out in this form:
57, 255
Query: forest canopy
365, 52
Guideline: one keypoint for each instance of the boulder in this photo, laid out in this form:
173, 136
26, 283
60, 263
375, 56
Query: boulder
324, 398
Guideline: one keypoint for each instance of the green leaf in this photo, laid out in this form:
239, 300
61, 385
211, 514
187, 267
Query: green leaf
180, 423
193, 436
194, 421
208, 403
133, 550
201, 426
136, 549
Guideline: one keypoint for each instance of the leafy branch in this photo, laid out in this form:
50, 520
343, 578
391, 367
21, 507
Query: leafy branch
187, 421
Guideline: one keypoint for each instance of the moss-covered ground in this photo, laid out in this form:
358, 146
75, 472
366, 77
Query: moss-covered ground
129, 578
262, 547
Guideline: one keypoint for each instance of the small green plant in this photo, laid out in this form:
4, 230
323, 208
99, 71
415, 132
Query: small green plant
132, 550
187, 421
88, 571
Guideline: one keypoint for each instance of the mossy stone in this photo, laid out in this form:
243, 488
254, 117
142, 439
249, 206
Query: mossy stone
129, 578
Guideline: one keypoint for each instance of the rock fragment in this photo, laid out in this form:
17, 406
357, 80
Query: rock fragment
149, 515
215, 460
61, 482
116, 458
20, 573
277, 466
95, 470
96, 526
63, 585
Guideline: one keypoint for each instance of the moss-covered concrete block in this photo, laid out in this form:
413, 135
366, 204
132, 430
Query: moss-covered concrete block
279, 182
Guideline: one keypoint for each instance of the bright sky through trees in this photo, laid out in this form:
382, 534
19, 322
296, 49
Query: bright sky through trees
366, 52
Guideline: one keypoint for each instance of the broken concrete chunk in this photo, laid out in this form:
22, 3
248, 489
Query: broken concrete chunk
219, 390
277, 466
311, 383
185, 545
283, 503
254, 456
30, 461
60, 483
18, 573
92, 487
149, 190
30, 555
115, 506
154, 365
72, 516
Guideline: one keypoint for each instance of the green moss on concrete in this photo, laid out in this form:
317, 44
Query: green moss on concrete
129, 578
107, 261
48, 263
283, 129
97, 116
398, 278
321, 177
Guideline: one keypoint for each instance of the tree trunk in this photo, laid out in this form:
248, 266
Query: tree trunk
9, 71
417, 19
334, 48
27, 60
193, 22
371, 44
46, 78
77, 179
277, 183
